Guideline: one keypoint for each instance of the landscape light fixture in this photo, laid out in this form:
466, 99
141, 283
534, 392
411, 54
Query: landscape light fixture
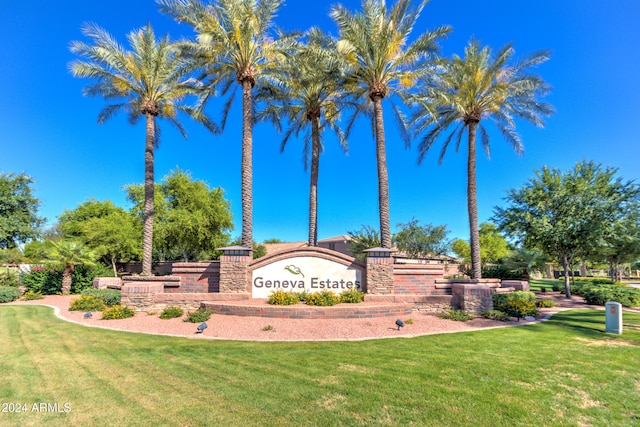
201, 327
88, 315
399, 323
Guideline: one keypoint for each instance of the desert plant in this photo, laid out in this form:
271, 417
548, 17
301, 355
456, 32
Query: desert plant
118, 312
171, 313
86, 303
352, 296
496, 315
268, 328
31, 295
202, 314
545, 303
108, 296
323, 298
281, 297
455, 314
409, 321
516, 304
9, 293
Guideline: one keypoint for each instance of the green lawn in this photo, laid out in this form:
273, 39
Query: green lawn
536, 285
562, 372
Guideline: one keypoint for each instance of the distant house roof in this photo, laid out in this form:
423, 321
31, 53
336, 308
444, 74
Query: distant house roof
277, 247
340, 238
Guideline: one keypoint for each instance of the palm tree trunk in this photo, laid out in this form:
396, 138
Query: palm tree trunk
67, 280
313, 185
383, 178
247, 168
472, 205
147, 239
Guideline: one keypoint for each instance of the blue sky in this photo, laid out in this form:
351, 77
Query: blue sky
49, 131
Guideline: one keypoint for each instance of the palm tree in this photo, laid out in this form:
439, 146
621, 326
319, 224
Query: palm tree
307, 90
383, 63
234, 44
69, 253
149, 81
470, 90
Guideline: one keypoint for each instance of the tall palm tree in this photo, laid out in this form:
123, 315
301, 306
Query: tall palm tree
472, 89
235, 43
151, 81
307, 90
383, 63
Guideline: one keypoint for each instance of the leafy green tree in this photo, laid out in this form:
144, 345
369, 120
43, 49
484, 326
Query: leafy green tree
622, 243
19, 220
272, 241
382, 63
493, 245
235, 43
567, 215
69, 253
421, 240
151, 81
462, 249
307, 90
111, 232
365, 238
472, 89
192, 218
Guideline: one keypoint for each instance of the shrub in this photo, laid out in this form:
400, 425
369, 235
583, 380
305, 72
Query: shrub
501, 272
108, 296
83, 276
30, 295
457, 315
117, 312
496, 315
303, 296
200, 315
281, 297
9, 279
86, 303
323, 298
628, 297
352, 296
46, 280
171, 313
9, 293
516, 304
409, 321
545, 303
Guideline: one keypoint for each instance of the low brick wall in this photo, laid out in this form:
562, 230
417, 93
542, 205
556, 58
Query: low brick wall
422, 303
303, 311
196, 277
418, 279
107, 283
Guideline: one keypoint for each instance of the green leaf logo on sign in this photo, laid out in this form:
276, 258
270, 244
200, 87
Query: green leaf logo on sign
293, 270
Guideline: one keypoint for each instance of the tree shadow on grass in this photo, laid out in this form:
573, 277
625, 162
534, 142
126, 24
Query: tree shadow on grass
592, 323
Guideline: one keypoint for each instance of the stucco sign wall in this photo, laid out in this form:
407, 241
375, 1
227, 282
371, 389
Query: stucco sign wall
299, 274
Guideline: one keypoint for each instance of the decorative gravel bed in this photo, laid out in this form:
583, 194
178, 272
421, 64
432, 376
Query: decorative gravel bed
275, 329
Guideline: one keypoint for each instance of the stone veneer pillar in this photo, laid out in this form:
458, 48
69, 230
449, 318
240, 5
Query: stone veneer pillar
379, 271
234, 270
472, 297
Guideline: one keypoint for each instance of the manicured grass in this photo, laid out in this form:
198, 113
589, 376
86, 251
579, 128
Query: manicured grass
562, 372
536, 285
